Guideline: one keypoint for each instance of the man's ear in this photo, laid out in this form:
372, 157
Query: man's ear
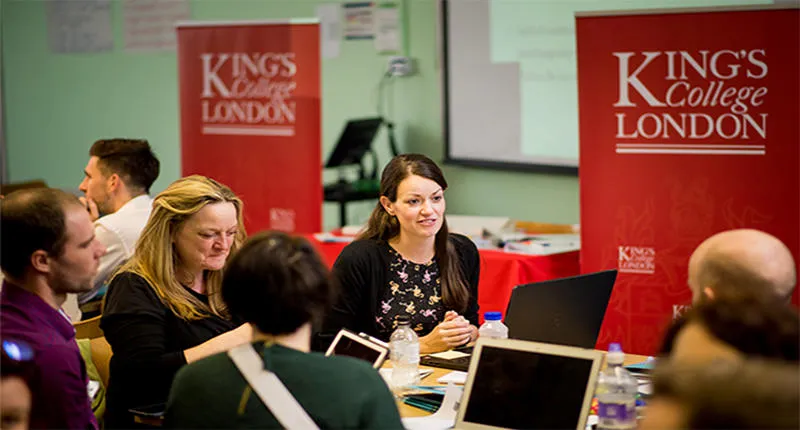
709, 293
113, 182
387, 205
40, 261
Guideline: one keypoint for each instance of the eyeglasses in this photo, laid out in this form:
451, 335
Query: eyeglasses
17, 350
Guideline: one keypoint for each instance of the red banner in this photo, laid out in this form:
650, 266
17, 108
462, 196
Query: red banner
250, 117
688, 126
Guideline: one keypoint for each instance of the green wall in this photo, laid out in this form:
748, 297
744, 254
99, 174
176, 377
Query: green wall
56, 105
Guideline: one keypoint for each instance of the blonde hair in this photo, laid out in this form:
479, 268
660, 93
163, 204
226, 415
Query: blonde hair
155, 259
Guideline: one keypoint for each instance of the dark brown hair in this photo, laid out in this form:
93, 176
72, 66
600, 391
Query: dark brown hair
278, 283
749, 394
32, 220
131, 159
382, 226
755, 324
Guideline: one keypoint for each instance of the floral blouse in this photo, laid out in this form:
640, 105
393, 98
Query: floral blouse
414, 290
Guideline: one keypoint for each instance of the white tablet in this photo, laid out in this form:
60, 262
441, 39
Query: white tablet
352, 345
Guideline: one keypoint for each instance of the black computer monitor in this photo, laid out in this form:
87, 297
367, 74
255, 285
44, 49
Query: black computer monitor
566, 311
355, 142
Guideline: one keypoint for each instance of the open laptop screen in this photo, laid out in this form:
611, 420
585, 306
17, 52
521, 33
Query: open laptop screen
526, 389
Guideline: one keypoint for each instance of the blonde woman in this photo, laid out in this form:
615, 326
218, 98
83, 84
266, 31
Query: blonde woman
163, 307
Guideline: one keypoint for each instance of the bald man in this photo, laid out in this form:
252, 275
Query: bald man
741, 259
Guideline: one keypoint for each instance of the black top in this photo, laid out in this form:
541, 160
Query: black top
414, 290
148, 341
364, 271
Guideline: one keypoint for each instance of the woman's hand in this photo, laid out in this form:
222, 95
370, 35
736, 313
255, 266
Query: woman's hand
239, 336
454, 331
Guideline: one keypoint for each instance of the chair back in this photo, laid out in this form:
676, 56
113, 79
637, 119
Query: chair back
101, 356
88, 329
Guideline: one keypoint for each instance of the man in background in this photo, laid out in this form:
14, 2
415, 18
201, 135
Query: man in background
742, 260
48, 250
116, 185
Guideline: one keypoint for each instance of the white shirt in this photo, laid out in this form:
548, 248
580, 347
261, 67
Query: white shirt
118, 232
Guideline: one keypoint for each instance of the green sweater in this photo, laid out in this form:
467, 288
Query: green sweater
337, 392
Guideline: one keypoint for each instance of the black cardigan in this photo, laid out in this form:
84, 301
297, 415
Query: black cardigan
362, 273
148, 341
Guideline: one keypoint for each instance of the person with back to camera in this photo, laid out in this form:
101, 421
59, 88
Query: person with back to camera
736, 324
741, 261
406, 262
164, 308
279, 284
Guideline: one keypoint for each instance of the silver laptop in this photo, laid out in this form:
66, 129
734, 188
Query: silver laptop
522, 385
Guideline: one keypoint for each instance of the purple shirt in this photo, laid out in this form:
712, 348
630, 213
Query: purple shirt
58, 385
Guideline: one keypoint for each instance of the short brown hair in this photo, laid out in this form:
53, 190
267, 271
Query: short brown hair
278, 283
749, 394
755, 324
32, 219
131, 159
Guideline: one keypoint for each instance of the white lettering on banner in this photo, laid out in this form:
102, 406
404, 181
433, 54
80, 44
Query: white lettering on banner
685, 117
248, 93
636, 259
679, 310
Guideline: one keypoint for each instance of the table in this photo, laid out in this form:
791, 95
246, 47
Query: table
500, 271
407, 411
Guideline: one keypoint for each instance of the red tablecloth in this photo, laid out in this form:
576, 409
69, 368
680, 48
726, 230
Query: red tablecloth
500, 271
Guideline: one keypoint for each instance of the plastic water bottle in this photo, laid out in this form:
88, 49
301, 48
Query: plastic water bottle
404, 350
493, 327
616, 393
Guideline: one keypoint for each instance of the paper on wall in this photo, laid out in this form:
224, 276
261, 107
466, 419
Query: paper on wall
79, 26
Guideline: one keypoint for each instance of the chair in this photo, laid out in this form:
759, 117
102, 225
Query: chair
88, 329
101, 357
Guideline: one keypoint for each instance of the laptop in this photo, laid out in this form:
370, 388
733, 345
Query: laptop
515, 384
565, 311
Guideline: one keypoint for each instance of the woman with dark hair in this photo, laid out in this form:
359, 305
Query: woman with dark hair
406, 262
279, 284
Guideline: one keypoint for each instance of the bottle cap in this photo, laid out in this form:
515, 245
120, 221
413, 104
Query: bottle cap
492, 316
403, 320
614, 347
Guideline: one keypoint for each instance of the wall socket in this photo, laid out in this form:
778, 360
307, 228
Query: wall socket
400, 66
